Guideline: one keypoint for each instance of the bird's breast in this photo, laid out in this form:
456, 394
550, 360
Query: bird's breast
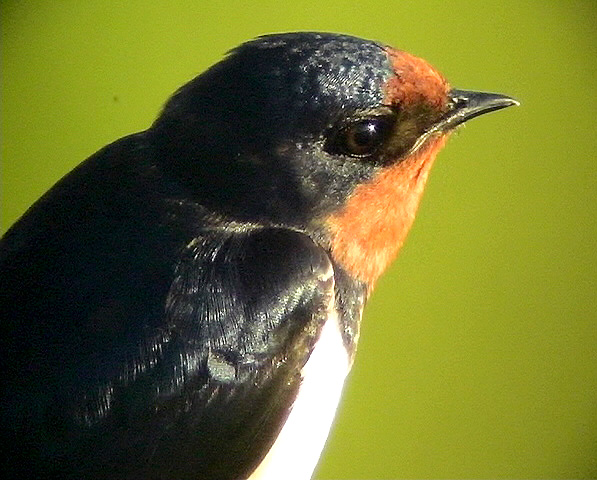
296, 451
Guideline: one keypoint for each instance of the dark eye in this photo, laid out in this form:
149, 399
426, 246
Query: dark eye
361, 137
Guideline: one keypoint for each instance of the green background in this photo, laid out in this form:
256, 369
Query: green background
478, 356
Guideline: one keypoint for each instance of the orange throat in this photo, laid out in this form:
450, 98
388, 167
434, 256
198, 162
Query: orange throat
369, 230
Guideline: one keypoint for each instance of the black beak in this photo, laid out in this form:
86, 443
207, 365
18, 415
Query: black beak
465, 105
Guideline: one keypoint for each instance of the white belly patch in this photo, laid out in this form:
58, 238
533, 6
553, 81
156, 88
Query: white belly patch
296, 451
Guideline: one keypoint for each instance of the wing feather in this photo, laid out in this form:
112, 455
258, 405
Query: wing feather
199, 390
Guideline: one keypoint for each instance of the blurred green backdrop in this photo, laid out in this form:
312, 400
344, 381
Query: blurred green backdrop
478, 355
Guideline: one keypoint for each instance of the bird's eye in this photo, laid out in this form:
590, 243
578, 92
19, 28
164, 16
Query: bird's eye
362, 137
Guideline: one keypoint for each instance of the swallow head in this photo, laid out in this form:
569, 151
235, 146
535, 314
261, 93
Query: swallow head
329, 134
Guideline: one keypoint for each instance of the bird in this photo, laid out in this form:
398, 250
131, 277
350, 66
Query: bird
186, 303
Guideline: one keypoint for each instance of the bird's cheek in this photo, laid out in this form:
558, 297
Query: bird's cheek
368, 231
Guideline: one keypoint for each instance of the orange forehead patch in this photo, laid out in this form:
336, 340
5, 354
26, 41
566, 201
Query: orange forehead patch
415, 81
369, 230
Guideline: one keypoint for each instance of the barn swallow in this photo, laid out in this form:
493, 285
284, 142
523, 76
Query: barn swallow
186, 303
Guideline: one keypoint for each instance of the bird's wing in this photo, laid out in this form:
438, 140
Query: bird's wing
203, 392
248, 322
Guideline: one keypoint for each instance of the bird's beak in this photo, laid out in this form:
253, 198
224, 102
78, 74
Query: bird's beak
464, 105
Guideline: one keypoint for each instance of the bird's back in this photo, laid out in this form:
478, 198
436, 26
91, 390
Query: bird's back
136, 328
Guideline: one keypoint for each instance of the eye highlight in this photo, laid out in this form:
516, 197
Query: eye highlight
361, 137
